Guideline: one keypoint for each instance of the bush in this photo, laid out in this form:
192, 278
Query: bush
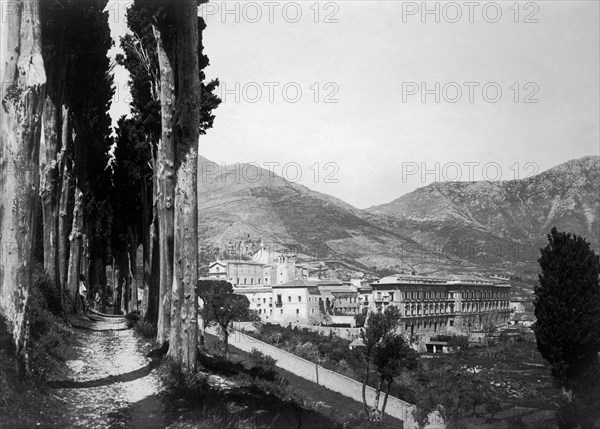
49, 334
259, 359
146, 329
179, 381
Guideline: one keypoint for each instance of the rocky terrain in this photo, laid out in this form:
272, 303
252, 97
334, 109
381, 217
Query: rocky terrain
451, 228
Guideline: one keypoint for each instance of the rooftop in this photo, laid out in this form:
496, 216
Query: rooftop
415, 279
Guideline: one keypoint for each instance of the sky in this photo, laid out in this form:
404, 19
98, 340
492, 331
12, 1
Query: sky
369, 100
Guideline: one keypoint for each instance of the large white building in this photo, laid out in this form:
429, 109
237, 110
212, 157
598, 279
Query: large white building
431, 306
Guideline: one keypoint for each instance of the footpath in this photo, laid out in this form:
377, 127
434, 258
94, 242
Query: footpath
110, 382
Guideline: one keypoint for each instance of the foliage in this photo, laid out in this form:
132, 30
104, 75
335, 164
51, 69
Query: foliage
76, 39
49, 334
221, 306
567, 305
361, 318
380, 329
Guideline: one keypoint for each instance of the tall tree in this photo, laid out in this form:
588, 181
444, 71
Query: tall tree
183, 341
23, 93
567, 305
76, 40
567, 330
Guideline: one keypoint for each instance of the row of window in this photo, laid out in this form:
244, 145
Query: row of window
427, 324
482, 306
415, 310
420, 295
485, 294
258, 281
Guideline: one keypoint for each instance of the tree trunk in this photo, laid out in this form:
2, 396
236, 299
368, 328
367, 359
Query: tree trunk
49, 185
85, 260
23, 94
364, 386
385, 399
165, 164
124, 284
154, 290
133, 290
64, 217
225, 340
101, 270
184, 329
146, 248
75, 249
117, 291
378, 393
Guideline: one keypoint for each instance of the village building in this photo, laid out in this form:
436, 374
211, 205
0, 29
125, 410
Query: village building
430, 306
523, 319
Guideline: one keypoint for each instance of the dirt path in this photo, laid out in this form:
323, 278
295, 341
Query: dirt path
110, 382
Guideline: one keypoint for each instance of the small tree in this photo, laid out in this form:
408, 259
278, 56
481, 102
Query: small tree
567, 305
378, 327
221, 306
361, 318
459, 343
392, 355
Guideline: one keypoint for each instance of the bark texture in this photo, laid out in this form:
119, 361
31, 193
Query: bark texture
23, 94
184, 315
75, 250
165, 163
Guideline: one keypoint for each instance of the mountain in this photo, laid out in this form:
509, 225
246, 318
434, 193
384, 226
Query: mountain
242, 207
502, 223
451, 228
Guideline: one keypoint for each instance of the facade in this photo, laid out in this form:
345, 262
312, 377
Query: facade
297, 301
261, 300
431, 306
281, 292
239, 273
257, 274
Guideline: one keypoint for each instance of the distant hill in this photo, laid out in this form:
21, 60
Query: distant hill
475, 228
503, 223
242, 203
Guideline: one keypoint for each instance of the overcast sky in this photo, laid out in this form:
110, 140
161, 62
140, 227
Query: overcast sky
371, 60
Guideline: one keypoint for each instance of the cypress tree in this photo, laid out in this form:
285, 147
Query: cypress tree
567, 306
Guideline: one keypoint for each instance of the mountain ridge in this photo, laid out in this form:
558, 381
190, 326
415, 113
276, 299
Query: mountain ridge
450, 227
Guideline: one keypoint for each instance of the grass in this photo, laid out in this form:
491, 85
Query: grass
24, 402
238, 398
344, 411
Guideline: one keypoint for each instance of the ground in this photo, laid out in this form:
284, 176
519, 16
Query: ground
110, 377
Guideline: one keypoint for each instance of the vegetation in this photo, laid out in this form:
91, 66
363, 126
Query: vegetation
244, 395
221, 306
567, 308
24, 398
387, 350
501, 375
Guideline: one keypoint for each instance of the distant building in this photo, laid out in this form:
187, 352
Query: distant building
239, 273
523, 319
429, 306
297, 301
261, 300
518, 305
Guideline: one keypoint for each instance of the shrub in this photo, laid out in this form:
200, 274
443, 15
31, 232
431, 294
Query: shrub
179, 381
262, 366
262, 360
146, 329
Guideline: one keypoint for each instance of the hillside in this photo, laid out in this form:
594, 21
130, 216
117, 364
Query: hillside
247, 204
502, 223
445, 228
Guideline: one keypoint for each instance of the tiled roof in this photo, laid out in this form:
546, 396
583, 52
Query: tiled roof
299, 283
